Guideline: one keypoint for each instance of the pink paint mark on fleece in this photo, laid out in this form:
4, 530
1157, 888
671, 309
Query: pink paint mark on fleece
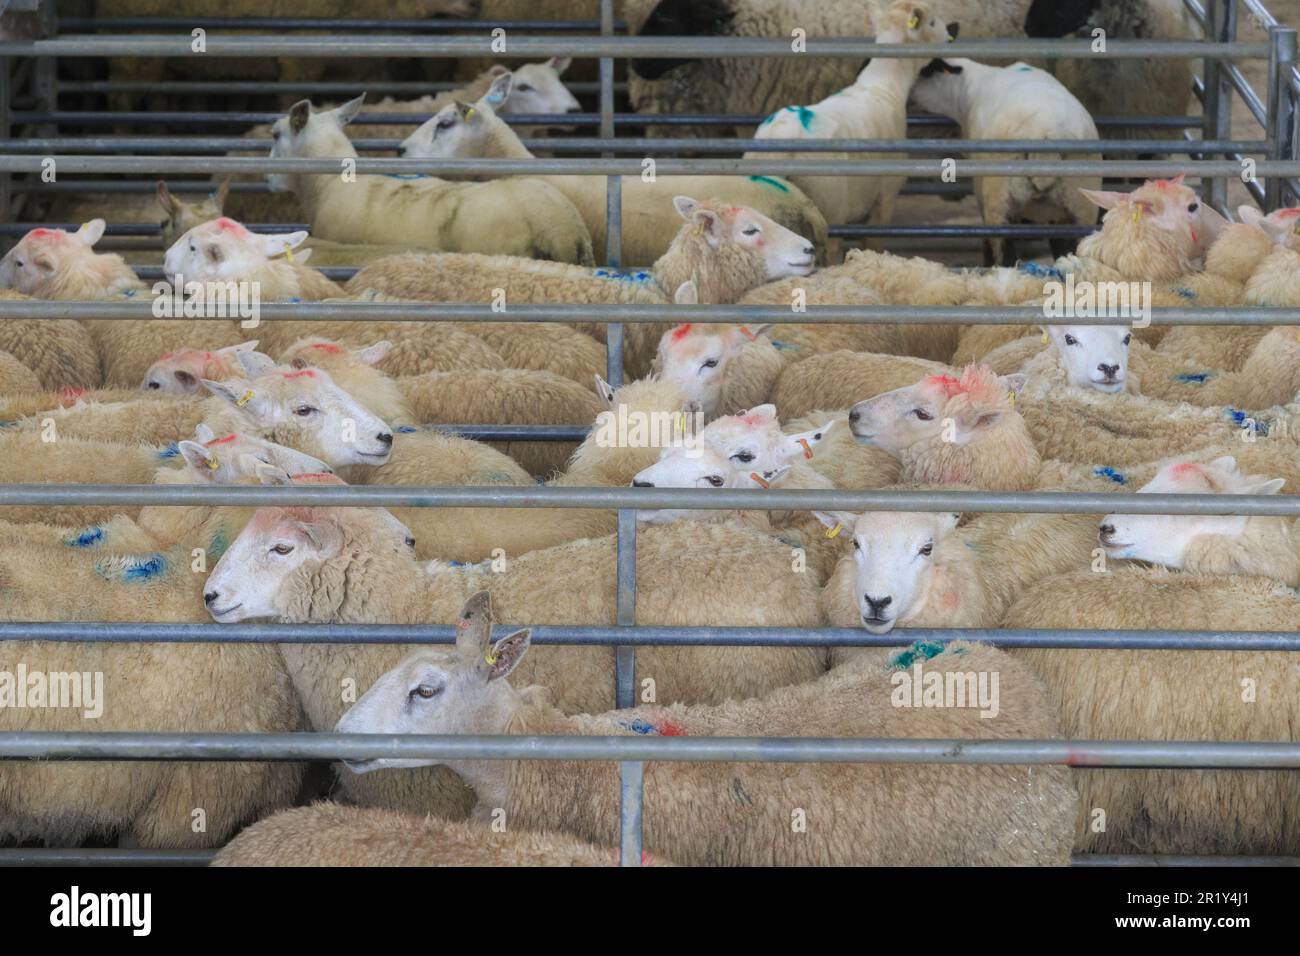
220, 441
302, 373
681, 332
229, 225
70, 394
1288, 213
950, 385
1183, 469
328, 347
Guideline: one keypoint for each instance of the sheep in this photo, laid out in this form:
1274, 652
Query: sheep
181, 372
841, 378
1014, 102
975, 814
874, 106
54, 264
1211, 573
325, 576
222, 250
61, 352
524, 217
146, 687
180, 217
729, 85
332, 834
460, 131
724, 250
15, 376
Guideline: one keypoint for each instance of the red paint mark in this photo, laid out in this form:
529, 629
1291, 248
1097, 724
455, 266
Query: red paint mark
1185, 468
226, 224
304, 373
317, 478
70, 394
668, 729
748, 334
751, 420
42, 233
1287, 213
166, 356
681, 332
950, 385
1166, 183
220, 441
328, 347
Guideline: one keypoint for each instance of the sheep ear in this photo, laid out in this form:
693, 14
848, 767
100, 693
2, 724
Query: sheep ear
239, 395
499, 91
202, 433
170, 204
299, 114
374, 354
1212, 224
773, 475
197, 456
1249, 215
1014, 383
323, 533
222, 193
255, 363
837, 522
276, 245
44, 261
971, 422
947, 521
346, 113
605, 391
762, 411
803, 443
685, 206
474, 629
91, 232
687, 293
270, 474
466, 110
1227, 463
1269, 486
1106, 199
507, 653
559, 64
742, 335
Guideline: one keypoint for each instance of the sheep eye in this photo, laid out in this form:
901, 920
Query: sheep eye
299, 363
710, 363
714, 480
524, 88
922, 414
928, 550
282, 549
745, 456
1193, 207
410, 543
1128, 338
1071, 340
445, 124
302, 411
752, 231
856, 546
427, 692
19, 263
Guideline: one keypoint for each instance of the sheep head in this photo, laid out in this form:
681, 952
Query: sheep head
1281, 225
180, 217
181, 372
306, 131
56, 264
1224, 544
1092, 356
224, 251
1158, 231
230, 459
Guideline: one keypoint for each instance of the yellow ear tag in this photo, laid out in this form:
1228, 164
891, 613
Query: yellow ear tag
1011, 397
214, 463
288, 255
807, 451
913, 23
1044, 339
489, 656
759, 480
1137, 213
469, 113
84, 225
247, 397
834, 531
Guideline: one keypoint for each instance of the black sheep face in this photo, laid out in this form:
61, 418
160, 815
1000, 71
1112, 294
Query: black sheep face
681, 18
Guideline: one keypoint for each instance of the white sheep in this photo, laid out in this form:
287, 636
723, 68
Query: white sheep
514, 217
873, 107
461, 131
181, 372
1014, 102
973, 814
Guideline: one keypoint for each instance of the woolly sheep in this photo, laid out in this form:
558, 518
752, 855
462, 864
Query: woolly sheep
872, 107
332, 834
462, 131
1014, 102
325, 577
841, 378
61, 352
515, 217
1230, 576
986, 814
15, 376
181, 372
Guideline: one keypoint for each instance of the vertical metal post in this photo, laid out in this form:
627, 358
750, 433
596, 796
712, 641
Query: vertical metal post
45, 71
613, 199
1281, 107
631, 790
1221, 27
6, 94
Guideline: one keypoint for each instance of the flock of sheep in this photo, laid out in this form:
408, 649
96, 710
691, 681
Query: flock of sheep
1207, 410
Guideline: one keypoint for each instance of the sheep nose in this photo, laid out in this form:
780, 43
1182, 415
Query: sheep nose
810, 250
1107, 531
638, 483
877, 604
954, 29
385, 437
209, 597
854, 415
401, 151
154, 385
1108, 370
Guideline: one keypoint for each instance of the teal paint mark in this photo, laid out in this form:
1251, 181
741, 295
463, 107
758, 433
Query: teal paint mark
406, 175
1111, 473
769, 119
787, 346
805, 116
1193, 378
1042, 272
87, 539
620, 276
218, 545
170, 450
922, 649
1187, 294
769, 181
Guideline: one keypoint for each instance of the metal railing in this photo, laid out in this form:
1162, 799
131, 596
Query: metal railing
1276, 114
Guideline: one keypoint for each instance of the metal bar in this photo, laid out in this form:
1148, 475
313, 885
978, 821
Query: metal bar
111, 632
631, 794
141, 308
1108, 859
274, 87
207, 165
1019, 231
1220, 25
1190, 754
640, 146
1281, 113
695, 499
625, 613
677, 47
185, 24
614, 333
6, 180
516, 432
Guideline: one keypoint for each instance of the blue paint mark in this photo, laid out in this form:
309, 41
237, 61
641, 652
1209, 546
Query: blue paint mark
1042, 272
131, 569
539, 480
769, 181
923, 649
769, 119
1187, 294
407, 175
406, 429
294, 299
499, 478
1239, 417
456, 564
1111, 473
150, 567
621, 276
129, 293
169, 451
1024, 69
87, 539
790, 346
638, 726
1193, 378
805, 116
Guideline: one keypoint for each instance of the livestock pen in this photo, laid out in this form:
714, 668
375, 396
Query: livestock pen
34, 136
